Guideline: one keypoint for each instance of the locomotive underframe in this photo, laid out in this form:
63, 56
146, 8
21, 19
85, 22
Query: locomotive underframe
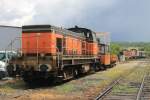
62, 66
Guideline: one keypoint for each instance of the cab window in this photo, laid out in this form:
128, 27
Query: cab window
2, 56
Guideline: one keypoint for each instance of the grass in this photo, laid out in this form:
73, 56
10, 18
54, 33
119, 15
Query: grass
65, 88
12, 86
133, 79
124, 89
98, 80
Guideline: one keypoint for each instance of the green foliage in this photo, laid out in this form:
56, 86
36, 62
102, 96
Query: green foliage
144, 46
115, 48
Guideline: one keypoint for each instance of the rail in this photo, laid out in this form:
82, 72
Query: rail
141, 89
101, 95
112, 85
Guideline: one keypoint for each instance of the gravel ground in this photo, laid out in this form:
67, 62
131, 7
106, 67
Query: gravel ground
128, 87
84, 88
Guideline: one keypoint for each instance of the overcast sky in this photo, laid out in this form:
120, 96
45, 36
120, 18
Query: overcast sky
126, 20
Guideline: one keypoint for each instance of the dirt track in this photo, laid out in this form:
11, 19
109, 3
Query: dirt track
84, 88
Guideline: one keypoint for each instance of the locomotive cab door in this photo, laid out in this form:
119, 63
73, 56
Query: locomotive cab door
59, 44
105, 54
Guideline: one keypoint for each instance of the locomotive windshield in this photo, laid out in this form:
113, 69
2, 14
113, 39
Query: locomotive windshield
104, 49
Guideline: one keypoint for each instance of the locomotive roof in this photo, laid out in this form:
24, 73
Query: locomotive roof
50, 28
89, 34
79, 29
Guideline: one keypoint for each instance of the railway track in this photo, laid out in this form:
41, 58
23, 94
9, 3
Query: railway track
144, 91
108, 95
129, 89
108, 90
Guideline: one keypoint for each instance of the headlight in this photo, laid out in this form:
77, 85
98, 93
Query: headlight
42, 55
45, 67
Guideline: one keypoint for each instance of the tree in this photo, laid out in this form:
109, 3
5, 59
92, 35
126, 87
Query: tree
115, 48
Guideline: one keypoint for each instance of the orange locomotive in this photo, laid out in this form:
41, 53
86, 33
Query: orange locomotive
52, 52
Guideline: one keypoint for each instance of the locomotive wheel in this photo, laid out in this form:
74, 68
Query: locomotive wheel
75, 73
103, 67
97, 69
68, 73
10, 70
86, 68
28, 79
72, 72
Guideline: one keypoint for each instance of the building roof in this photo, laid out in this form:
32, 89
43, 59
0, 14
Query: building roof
10, 26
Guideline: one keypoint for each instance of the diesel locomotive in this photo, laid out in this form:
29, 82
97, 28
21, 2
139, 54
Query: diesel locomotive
54, 52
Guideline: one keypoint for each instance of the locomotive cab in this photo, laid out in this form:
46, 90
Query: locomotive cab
104, 49
105, 54
90, 44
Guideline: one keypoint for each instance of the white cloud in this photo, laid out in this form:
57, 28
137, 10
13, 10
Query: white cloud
16, 12
57, 12
65, 12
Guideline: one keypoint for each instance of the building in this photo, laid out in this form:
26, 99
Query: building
8, 34
104, 37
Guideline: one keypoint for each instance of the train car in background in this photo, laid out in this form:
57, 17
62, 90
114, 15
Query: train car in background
141, 54
51, 52
133, 54
126, 53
